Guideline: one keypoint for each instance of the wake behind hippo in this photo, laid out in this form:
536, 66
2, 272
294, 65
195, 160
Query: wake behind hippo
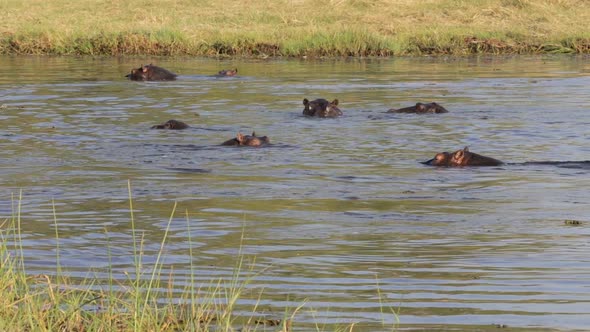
420, 108
151, 73
461, 158
247, 140
321, 108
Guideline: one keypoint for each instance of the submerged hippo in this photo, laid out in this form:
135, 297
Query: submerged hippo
151, 73
465, 158
247, 140
171, 124
321, 108
421, 108
228, 72
462, 158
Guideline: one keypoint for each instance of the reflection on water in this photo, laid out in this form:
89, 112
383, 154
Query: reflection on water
337, 211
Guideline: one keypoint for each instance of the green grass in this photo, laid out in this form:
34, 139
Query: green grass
294, 27
143, 301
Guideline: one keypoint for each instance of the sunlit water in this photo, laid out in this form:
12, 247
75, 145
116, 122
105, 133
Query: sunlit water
338, 213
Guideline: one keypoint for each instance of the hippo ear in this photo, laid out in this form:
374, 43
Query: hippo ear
335, 102
253, 133
240, 137
305, 101
466, 149
236, 70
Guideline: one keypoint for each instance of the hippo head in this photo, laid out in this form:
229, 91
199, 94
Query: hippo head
252, 140
430, 108
151, 73
229, 72
248, 140
462, 158
321, 108
139, 74
420, 108
441, 159
171, 124
466, 158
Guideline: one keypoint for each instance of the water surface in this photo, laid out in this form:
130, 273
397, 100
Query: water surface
338, 213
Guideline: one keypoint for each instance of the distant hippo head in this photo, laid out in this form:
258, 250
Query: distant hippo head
321, 108
247, 140
462, 158
229, 72
420, 108
171, 124
151, 73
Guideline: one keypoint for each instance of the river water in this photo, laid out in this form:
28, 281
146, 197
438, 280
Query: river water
337, 214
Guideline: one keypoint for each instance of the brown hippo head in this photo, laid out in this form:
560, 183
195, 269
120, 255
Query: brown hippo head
321, 108
229, 72
441, 159
247, 140
421, 108
462, 158
151, 73
171, 124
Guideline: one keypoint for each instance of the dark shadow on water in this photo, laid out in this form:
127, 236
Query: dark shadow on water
188, 170
584, 164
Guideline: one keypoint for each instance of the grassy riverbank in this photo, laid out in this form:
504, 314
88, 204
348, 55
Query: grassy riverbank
294, 27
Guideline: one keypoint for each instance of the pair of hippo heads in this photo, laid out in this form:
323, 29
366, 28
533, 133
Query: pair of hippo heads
239, 140
420, 108
171, 124
461, 158
227, 73
151, 73
321, 108
247, 140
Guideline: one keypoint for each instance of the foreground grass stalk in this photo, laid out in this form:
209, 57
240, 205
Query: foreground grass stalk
18, 230
57, 258
157, 266
136, 256
193, 299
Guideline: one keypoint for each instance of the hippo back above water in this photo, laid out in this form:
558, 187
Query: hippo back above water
461, 158
151, 73
421, 108
247, 140
321, 108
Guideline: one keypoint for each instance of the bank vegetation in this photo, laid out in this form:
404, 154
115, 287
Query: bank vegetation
294, 28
